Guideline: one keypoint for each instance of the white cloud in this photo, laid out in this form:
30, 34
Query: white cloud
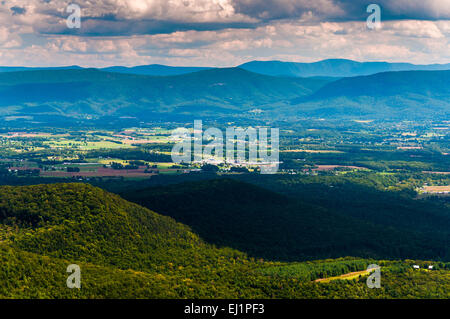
305, 38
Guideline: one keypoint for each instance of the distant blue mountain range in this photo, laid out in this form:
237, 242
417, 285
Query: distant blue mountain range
154, 69
336, 68
4, 69
169, 92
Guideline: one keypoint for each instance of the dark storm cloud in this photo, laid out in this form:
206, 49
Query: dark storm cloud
343, 10
126, 17
399, 9
114, 26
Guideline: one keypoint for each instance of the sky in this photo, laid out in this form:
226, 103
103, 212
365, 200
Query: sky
221, 33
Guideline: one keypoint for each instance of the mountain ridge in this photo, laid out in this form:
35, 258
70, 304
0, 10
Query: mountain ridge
401, 94
334, 68
96, 93
223, 92
323, 68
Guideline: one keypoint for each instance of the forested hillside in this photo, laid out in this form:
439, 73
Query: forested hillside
301, 226
90, 92
126, 251
405, 95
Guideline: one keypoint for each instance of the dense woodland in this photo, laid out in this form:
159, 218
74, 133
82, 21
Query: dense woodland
127, 251
309, 221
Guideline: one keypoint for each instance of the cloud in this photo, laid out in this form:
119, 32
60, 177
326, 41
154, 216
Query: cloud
18, 10
128, 17
221, 32
419, 9
284, 9
416, 29
131, 17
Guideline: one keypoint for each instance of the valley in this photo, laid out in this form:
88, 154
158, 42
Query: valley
87, 178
